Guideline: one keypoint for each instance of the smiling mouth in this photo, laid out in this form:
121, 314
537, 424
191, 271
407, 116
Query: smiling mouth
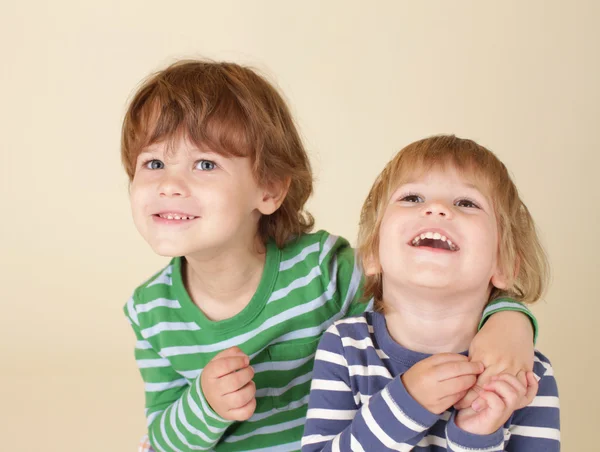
434, 240
175, 216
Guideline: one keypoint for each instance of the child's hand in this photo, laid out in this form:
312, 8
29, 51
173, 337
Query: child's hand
503, 396
227, 385
439, 381
504, 345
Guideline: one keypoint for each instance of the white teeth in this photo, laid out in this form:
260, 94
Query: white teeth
434, 236
169, 216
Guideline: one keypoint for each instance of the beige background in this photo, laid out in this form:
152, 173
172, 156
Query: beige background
363, 79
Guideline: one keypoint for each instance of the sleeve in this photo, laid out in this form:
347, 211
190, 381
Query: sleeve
508, 304
391, 419
339, 265
178, 416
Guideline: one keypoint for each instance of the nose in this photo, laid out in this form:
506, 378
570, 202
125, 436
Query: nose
437, 209
173, 185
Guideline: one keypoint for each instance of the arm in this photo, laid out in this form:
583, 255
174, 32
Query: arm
178, 416
334, 420
504, 343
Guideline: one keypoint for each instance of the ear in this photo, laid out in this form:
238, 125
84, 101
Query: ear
499, 278
273, 196
371, 265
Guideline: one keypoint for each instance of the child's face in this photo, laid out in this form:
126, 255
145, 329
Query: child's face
439, 232
188, 201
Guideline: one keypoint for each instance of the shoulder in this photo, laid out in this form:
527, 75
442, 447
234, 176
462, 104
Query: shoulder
318, 248
158, 287
543, 369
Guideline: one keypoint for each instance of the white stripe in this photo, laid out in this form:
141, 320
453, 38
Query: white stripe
335, 445
163, 278
535, 432
432, 440
458, 448
337, 415
327, 385
361, 344
157, 445
158, 387
549, 369
159, 302
329, 242
503, 305
190, 428
131, 311
276, 392
314, 439
355, 445
330, 357
369, 371
169, 326
143, 345
292, 406
151, 417
352, 320
163, 431
173, 419
269, 429
148, 363
297, 283
380, 434
281, 365
546, 402
287, 264
402, 417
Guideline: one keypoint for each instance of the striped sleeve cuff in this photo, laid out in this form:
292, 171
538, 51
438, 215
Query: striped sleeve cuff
462, 441
508, 304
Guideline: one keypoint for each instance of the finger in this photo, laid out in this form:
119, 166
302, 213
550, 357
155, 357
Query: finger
467, 400
532, 389
243, 413
522, 377
507, 393
241, 397
456, 385
518, 387
235, 380
493, 401
451, 399
225, 366
455, 369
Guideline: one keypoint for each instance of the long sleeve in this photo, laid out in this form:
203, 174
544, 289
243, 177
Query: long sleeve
179, 417
391, 418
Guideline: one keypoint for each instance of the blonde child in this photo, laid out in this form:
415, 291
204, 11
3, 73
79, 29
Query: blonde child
442, 232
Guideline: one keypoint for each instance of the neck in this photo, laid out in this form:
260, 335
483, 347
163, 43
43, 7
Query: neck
430, 321
223, 283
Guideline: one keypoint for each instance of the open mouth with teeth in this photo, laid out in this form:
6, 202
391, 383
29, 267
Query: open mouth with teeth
174, 216
434, 240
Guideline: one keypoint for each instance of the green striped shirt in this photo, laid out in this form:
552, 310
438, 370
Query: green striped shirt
305, 287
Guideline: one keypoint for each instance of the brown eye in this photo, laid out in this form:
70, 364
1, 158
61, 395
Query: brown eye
466, 203
411, 198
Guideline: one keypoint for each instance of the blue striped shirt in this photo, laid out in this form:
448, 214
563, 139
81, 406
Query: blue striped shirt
358, 401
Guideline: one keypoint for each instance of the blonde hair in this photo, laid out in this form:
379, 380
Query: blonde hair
521, 256
233, 111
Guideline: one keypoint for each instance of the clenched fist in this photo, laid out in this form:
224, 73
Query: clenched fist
227, 385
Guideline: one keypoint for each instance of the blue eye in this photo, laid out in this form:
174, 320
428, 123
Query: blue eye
154, 164
205, 165
412, 198
466, 203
